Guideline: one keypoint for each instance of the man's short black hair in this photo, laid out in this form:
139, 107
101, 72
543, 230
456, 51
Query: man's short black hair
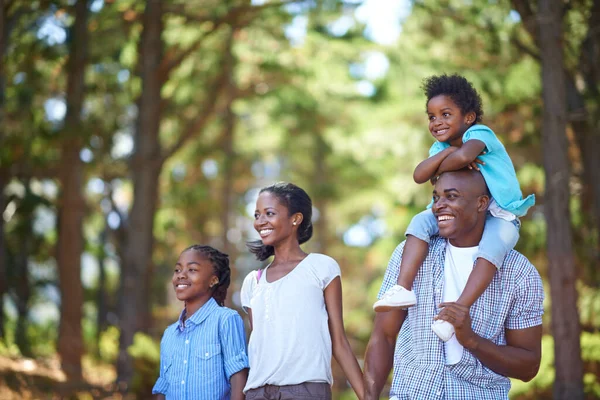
459, 89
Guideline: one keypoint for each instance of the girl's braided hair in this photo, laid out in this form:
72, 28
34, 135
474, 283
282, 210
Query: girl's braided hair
220, 263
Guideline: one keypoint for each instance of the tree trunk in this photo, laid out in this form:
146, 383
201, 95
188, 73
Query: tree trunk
3, 275
586, 125
568, 383
146, 164
72, 205
229, 122
3, 182
101, 298
21, 282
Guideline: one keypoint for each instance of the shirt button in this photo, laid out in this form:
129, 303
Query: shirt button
185, 361
183, 382
439, 393
206, 355
187, 341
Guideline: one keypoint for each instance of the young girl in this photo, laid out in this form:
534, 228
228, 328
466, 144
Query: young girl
294, 306
203, 355
454, 110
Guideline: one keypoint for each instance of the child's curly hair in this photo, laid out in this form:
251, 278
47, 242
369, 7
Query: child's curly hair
459, 89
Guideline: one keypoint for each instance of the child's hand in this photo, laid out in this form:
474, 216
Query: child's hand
473, 164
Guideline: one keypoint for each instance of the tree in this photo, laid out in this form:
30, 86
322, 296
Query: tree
72, 204
561, 267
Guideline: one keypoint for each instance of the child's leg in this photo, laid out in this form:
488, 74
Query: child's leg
421, 227
499, 238
419, 231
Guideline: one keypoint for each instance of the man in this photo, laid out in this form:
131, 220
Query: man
499, 337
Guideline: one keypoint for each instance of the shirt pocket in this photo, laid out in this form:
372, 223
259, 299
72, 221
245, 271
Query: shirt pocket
210, 360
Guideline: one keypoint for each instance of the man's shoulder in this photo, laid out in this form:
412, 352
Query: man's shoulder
518, 266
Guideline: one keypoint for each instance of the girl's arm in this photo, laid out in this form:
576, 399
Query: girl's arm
427, 168
462, 157
238, 381
341, 347
159, 396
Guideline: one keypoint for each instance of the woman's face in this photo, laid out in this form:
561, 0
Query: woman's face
272, 220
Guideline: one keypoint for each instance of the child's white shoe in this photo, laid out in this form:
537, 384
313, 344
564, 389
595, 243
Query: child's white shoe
396, 297
443, 329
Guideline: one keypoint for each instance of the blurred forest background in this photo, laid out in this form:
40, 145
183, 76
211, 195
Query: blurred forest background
131, 129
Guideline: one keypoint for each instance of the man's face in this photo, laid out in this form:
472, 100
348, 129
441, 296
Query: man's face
459, 206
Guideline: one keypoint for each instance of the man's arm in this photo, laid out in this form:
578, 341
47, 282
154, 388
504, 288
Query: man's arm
427, 168
462, 157
519, 358
379, 357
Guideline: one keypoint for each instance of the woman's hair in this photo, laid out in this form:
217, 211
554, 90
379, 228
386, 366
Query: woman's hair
295, 200
459, 89
220, 264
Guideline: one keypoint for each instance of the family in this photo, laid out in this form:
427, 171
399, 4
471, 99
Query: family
459, 311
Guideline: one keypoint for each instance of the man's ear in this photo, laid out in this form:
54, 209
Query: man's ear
483, 203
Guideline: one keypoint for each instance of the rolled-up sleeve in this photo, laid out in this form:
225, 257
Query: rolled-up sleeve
528, 306
162, 385
233, 345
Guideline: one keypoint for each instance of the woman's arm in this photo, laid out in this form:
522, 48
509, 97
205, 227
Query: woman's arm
462, 157
341, 347
238, 381
427, 168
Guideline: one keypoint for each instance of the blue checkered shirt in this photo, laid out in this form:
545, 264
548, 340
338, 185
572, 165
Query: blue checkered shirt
199, 355
513, 300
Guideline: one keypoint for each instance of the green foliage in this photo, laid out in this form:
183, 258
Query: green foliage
541, 385
109, 344
145, 352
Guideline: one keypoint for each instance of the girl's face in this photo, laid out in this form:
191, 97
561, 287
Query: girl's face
447, 123
272, 220
193, 277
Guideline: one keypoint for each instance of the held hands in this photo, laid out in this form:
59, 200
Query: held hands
458, 315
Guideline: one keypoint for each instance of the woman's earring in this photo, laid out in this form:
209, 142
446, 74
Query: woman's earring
294, 223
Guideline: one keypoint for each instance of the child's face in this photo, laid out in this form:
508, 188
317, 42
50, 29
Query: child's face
193, 277
447, 123
272, 220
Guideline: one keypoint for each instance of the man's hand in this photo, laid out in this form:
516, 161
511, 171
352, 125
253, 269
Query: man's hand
458, 315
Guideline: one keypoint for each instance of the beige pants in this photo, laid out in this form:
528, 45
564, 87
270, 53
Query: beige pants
306, 390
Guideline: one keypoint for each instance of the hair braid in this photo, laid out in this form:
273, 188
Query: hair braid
220, 263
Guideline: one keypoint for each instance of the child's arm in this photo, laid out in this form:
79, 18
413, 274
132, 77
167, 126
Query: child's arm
340, 345
160, 396
238, 381
462, 157
427, 168
235, 358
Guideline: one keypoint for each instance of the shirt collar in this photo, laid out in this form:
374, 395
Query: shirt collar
199, 316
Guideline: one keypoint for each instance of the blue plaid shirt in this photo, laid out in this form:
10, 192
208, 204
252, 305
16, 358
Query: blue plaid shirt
199, 355
513, 300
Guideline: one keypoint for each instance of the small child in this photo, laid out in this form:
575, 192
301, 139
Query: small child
455, 111
203, 354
